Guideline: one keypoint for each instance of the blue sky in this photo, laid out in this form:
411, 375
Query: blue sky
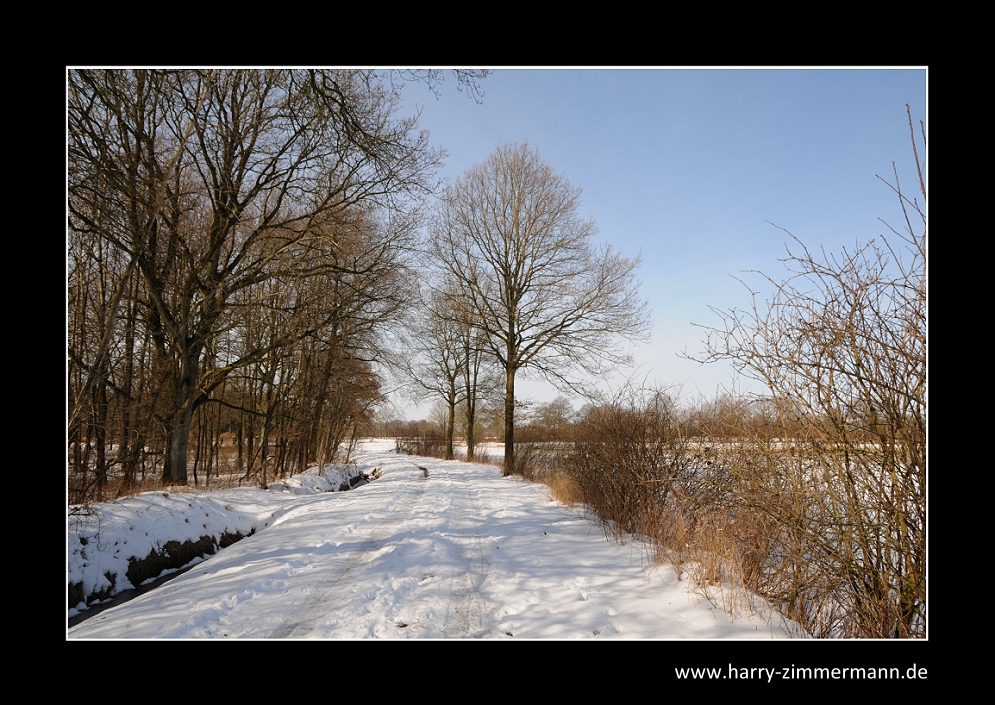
686, 166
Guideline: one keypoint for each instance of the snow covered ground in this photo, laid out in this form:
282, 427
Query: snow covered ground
462, 553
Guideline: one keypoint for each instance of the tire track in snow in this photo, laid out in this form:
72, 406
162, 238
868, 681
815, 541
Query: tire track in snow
468, 608
303, 619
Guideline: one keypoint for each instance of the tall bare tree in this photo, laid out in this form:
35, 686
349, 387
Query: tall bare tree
440, 364
511, 236
479, 380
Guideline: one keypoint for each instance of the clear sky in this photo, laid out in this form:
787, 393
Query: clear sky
687, 166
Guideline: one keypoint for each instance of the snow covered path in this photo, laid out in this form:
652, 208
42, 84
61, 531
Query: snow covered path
463, 553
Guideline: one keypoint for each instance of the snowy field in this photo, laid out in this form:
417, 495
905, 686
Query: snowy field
463, 553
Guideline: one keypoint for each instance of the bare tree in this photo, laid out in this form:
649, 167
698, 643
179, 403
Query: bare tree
510, 234
448, 359
479, 378
440, 361
554, 418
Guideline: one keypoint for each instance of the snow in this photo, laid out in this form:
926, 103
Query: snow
463, 553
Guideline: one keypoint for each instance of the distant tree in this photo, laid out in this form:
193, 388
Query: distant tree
449, 362
554, 417
479, 380
547, 299
440, 361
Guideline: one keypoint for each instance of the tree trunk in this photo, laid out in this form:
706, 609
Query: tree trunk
471, 438
175, 467
318, 403
471, 378
100, 427
509, 423
129, 410
450, 428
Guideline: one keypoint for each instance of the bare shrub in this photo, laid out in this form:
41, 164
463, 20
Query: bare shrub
430, 445
842, 346
627, 459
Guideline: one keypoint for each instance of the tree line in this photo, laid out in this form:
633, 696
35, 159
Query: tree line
239, 259
237, 250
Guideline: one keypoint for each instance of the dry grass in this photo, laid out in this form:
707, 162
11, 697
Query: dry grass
563, 488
